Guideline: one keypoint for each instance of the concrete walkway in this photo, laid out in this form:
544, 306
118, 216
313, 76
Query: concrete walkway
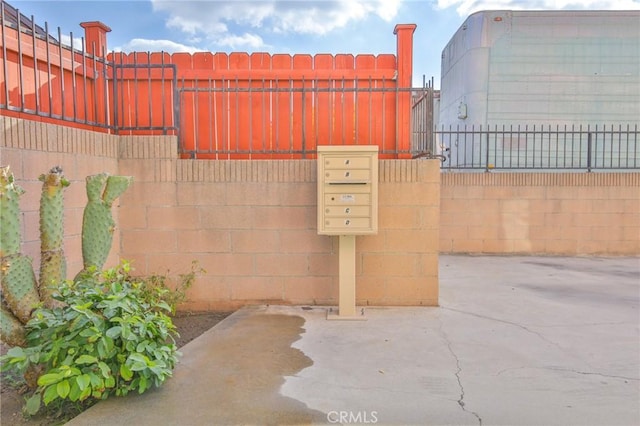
516, 341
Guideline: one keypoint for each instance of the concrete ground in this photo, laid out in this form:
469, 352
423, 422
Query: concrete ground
516, 341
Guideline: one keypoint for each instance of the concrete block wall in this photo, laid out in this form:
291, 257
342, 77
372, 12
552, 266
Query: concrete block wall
541, 213
31, 148
252, 226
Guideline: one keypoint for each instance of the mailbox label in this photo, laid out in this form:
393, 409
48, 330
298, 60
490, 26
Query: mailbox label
347, 198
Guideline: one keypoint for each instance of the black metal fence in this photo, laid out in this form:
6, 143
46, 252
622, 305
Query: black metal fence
574, 147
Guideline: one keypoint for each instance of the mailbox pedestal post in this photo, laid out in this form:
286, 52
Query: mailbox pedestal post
347, 206
347, 266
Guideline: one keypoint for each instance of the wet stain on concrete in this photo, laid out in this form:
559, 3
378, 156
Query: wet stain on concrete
230, 375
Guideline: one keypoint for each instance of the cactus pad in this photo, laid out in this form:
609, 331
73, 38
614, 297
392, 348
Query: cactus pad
9, 214
52, 209
19, 287
53, 270
95, 186
116, 185
11, 329
97, 222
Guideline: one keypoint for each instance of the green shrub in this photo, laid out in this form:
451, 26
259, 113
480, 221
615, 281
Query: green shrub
156, 287
112, 337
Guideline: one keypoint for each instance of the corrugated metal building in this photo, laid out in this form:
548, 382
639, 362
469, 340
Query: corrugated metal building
543, 67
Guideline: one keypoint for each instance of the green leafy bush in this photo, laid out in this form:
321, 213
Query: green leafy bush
159, 287
112, 337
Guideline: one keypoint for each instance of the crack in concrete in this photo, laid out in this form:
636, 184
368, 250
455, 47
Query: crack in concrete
591, 373
570, 370
586, 324
541, 336
460, 401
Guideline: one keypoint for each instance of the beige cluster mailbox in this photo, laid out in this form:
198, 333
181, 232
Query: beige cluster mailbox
347, 206
347, 190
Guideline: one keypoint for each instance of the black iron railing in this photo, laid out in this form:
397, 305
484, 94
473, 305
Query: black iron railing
567, 147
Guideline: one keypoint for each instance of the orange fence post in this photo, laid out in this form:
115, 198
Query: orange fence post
404, 51
95, 37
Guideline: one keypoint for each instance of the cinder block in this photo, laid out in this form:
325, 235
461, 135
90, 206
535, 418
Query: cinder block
372, 291
466, 246
255, 241
564, 247
382, 264
494, 246
278, 264
412, 291
368, 243
204, 241
412, 241
521, 246
428, 264
208, 290
623, 248
198, 194
227, 217
254, 194
454, 232
401, 217
323, 264
303, 241
132, 217
12, 158
313, 290
284, 217
430, 217
446, 244
173, 217
73, 221
150, 194
149, 241
257, 289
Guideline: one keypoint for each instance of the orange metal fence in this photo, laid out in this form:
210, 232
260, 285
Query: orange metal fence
221, 106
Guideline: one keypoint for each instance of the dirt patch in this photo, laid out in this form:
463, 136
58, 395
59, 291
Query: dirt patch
189, 325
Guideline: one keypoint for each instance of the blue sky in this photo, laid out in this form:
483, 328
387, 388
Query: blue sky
294, 26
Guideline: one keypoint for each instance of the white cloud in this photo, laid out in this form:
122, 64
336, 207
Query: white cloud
467, 7
77, 41
248, 41
145, 45
294, 16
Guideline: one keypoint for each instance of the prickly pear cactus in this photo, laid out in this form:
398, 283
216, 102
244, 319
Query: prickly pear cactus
21, 293
17, 279
53, 266
97, 222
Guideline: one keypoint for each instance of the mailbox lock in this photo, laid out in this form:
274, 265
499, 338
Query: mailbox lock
346, 174
346, 161
347, 222
347, 210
